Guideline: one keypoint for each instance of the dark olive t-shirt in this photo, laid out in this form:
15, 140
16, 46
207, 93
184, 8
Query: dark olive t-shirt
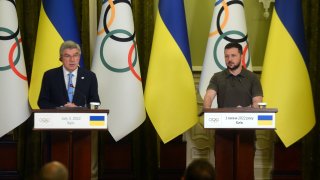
233, 91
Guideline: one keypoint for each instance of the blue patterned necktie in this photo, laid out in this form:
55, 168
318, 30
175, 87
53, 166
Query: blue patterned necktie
70, 87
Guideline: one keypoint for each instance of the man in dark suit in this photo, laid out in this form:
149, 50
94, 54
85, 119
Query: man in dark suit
58, 90
70, 86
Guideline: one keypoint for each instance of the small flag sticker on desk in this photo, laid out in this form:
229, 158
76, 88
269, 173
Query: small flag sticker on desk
97, 121
265, 120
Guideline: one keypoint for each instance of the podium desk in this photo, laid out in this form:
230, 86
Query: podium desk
234, 139
67, 136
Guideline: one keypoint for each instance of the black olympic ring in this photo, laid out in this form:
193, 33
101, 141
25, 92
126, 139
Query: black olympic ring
218, 22
15, 34
130, 38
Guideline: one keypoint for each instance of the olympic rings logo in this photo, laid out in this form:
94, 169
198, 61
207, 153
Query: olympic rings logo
112, 34
226, 36
44, 120
12, 35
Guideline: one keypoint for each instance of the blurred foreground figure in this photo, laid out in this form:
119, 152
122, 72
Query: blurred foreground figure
199, 169
54, 171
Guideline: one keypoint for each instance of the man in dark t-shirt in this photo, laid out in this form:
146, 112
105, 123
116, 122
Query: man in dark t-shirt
243, 89
233, 87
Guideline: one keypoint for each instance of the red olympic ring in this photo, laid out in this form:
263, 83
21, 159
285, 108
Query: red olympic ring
14, 69
130, 62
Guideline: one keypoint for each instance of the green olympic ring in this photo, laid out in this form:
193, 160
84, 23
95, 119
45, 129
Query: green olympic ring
216, 47
4, 68
104, 62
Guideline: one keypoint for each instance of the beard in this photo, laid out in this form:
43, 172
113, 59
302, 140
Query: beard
234, 67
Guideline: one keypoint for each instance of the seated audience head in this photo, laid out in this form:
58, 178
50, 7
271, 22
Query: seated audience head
54, 171
199, 169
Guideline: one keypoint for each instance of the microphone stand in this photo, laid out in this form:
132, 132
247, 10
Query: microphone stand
83, 96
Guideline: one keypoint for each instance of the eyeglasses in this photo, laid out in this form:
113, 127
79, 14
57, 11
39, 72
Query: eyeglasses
67, 56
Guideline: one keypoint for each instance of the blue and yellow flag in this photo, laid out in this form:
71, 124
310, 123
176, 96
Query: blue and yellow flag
57, 23
97, 121
285, 78
265, 120
170, 96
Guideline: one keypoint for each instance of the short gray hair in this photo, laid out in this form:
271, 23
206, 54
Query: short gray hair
69, 45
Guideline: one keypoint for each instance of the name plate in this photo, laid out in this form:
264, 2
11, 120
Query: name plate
229, 120
70, 120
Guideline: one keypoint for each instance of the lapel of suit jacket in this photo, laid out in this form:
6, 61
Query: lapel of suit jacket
63, 83
80, 77
80, 95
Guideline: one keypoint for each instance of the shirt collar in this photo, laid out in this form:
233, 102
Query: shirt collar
66, 72
241, 74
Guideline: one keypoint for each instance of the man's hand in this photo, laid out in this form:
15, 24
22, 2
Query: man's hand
255, 101
208, 98
70, 105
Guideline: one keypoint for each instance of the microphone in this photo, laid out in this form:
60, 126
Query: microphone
83, 96
247, 92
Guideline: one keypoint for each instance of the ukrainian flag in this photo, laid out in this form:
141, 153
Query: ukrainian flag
97, 121
170, 96
57, 23
285, 78
265, 120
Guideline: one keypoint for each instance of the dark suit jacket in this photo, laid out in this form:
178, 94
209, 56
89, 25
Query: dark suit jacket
54, 93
